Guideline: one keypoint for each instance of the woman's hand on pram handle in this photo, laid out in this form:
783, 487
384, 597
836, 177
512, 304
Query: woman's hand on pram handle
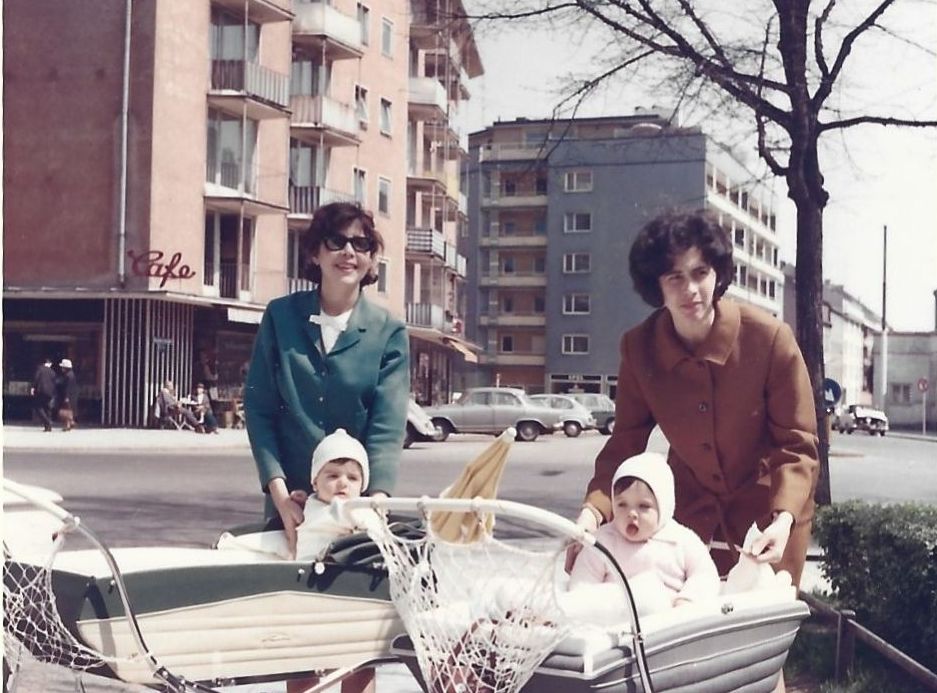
291, 512
769, 547
588, 521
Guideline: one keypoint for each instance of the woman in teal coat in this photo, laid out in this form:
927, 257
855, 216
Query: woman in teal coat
327, 359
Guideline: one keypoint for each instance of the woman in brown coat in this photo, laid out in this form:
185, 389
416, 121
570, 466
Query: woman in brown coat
728, 387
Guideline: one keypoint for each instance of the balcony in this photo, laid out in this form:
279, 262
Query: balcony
427, 99
322, 119
513, 279
294, 284
239, 84
522, 200
512, 359
513, 320
231, 185
428, 180
513, 241
306, 199
326, 31
426, 241
426, 315
512, 151
261, 11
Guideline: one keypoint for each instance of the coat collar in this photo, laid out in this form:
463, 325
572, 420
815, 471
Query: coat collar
715, 348
361, 316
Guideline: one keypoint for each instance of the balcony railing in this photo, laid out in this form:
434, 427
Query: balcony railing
426, 241
426, 315
251, 79
324, 112
294, 284
228, 174
306, 199
228, 280
511, 151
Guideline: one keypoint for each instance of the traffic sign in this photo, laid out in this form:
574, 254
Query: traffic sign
922, 384
831, 391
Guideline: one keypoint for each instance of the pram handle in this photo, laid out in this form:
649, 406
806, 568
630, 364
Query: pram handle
562, 526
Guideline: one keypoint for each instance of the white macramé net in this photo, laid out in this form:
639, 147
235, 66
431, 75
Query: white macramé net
481, 616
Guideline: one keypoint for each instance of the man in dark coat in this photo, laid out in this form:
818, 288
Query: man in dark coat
42, 391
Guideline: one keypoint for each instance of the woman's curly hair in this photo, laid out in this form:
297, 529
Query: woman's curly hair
337, 216
668, 235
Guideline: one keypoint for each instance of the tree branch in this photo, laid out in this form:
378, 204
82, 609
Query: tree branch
874, 120
818, 40
845, 48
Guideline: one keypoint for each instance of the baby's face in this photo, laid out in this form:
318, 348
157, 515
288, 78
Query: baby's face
338, 479
636, 514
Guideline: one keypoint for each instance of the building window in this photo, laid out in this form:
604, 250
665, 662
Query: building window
387, 37
575, 344
540, 226
228, 260
381, 283
576, 304
510, 188
540, 304
383, 196
578, 181
901, 393
507, 265
507, 304
540, 264
364, 19
385, 116
228, 34
577, 263
577, 222
230, 156
294, 269
508, 228
360, 186
740, 236
541, 186
361, 105
507, 342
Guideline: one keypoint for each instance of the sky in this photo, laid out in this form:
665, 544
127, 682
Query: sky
876, 176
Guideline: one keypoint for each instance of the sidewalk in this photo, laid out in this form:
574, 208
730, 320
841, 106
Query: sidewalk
26, 437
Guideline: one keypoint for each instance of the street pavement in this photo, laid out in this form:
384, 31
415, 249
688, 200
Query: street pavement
391, 678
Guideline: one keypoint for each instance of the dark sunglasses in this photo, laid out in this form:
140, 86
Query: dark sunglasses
337, 241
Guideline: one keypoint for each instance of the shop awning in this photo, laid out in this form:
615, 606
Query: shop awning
430, 334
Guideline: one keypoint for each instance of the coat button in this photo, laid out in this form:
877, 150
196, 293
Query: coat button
703, 407
707, 447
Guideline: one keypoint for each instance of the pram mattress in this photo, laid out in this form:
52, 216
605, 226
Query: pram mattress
736, 643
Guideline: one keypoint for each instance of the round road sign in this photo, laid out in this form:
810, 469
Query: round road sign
922, 384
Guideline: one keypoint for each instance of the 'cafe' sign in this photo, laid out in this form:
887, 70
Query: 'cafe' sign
151, 264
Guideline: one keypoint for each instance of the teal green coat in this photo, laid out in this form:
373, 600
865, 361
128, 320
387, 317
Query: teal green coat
295, 395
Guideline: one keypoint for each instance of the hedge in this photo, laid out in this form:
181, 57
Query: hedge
881, 561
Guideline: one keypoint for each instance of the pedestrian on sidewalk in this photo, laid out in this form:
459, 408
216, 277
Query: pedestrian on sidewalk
42, 392
67, 387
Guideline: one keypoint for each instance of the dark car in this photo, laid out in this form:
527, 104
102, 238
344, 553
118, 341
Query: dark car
859, 417
602, 408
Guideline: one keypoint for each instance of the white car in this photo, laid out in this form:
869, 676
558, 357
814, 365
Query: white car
419, 426
493, 409
576, 418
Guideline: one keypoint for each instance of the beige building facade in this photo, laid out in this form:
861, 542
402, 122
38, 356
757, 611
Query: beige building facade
161, 162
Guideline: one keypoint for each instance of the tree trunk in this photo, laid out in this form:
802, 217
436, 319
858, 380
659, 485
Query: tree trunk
809, 283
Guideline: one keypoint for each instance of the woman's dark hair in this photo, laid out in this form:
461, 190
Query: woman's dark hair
670, 234
337, 216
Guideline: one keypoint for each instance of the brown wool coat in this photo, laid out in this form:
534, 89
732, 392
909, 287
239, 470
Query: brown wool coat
739, 415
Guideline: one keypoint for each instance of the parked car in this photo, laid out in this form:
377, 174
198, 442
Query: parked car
420, 426
576, 418
493, 409
602, 408
857, 416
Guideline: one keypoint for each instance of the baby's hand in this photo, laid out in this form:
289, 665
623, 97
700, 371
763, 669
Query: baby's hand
299, 497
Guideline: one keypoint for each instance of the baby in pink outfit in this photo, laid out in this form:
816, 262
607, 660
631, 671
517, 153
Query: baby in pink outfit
666, 563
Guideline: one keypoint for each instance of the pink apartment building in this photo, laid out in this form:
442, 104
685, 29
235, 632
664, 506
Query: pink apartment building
161, 159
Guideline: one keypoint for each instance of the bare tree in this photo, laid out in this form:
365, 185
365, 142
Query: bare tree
774, 64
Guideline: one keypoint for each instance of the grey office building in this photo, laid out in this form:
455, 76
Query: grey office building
553, 210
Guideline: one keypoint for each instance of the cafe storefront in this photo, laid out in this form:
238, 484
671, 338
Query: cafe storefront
123, 349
